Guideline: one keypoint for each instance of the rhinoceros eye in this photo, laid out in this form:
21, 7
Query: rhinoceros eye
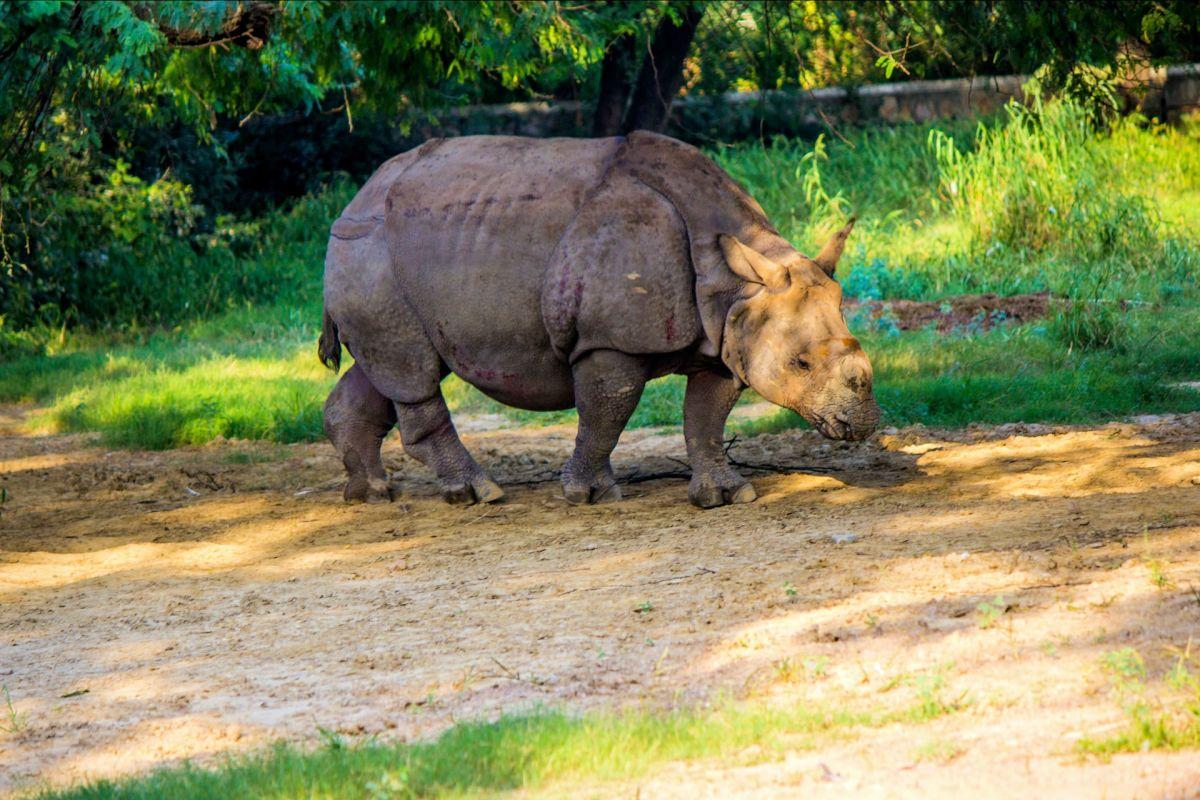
800, 362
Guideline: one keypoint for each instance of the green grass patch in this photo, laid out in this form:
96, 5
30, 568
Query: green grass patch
538, 751
1167, 720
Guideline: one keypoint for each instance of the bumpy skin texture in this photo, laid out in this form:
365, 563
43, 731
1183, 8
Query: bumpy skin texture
564, 272
357, 418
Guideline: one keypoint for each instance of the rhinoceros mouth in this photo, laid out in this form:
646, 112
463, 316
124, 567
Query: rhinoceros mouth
844, 426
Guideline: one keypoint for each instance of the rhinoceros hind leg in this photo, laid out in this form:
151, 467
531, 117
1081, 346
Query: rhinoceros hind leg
357, 418
608, 386
429, 436
707, 402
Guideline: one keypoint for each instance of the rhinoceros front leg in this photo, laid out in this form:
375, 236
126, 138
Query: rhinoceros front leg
706, 404
357, 418
608, 386
429, 436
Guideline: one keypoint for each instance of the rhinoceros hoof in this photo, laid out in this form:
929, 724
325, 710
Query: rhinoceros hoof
360, 490
581, 495
482, 490
712, 495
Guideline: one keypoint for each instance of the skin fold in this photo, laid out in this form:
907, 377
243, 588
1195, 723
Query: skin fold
552, 273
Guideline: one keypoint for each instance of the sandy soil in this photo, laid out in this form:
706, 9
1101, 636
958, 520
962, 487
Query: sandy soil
187, 604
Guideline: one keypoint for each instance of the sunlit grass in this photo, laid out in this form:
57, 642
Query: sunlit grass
545, 753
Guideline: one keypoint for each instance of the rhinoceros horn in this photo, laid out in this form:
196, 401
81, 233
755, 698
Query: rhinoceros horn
827, 259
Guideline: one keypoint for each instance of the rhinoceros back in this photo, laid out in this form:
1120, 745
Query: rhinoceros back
469, 225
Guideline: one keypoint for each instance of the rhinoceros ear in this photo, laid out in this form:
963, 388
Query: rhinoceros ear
827, 259
751, 265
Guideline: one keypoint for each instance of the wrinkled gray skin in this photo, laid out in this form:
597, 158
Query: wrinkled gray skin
564, 272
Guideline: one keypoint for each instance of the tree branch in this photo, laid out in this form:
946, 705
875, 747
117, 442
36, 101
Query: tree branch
248, 26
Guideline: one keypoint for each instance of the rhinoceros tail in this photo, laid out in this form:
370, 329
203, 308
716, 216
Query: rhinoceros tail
329, 347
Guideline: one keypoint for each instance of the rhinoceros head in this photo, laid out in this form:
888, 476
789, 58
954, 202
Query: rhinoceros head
786, 338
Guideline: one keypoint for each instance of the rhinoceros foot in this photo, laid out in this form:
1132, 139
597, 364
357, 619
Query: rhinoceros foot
719, 489
479, 490
580, 494
360, 489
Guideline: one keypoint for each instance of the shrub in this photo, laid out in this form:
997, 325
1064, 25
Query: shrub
122, 251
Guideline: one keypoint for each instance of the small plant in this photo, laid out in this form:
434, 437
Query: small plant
938, 751
332, 739
1156, 566
789, 670
1126, 665
817, 667
990, 611
790, 590
14, 721
1169, 723
3, 499
931, 701
645, 607
786, 670
391, 785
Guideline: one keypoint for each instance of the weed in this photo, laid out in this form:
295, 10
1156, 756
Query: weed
1155, 722
645, 607
938, 751
391, 785
14, 721
790, 591
990, 611
1158, 573
1157, 567
786, 670
789, 670
332, 739
931, 700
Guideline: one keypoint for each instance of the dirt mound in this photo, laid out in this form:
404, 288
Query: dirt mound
193, 603
978, 312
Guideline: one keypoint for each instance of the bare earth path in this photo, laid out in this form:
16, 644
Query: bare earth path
187, 604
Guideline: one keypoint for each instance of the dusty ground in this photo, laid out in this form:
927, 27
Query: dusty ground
159, 606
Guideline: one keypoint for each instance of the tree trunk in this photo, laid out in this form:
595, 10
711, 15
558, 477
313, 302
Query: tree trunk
661, 74
616, 81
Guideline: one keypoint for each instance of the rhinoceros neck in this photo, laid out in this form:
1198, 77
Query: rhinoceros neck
711, 203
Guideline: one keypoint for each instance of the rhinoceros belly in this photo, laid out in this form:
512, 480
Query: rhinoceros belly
471, 226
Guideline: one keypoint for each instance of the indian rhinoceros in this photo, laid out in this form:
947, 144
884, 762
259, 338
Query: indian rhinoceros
551, 273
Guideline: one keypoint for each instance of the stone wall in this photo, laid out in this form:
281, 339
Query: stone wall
745, 115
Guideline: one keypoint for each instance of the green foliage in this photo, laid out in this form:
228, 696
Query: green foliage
133, 253
86, 89
1037, 183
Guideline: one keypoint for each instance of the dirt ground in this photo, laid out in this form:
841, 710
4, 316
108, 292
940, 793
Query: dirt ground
157, 606
980, 311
